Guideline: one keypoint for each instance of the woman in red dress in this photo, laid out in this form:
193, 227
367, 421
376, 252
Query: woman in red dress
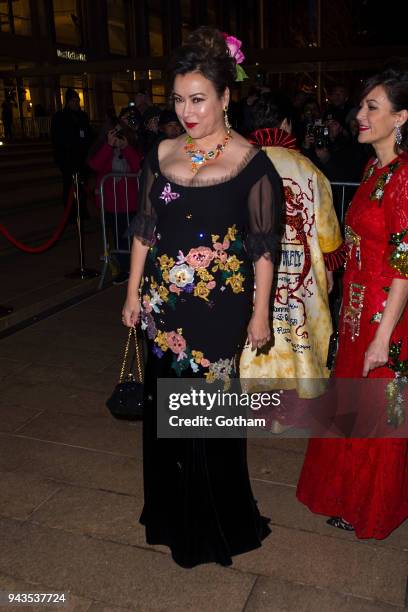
362, 483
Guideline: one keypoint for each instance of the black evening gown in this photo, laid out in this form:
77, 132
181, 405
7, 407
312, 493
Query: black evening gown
196, 305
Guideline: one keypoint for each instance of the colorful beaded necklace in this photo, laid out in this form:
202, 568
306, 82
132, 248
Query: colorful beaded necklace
199, 157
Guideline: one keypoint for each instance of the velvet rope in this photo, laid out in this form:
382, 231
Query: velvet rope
56, 235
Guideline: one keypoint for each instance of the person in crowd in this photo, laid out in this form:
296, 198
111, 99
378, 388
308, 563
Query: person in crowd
361, 483
245, 113
131, 119
298, 101
150, 128
71, 137
7, 118
339, 105
312, 247
143, 101
169, 125
119, 155
335, 152
211, 204
307, 123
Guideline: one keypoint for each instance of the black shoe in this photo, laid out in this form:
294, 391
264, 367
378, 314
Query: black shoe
121, 278
340, 523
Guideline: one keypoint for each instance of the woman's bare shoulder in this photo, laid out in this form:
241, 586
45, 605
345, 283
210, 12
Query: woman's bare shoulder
240, 145
240, 141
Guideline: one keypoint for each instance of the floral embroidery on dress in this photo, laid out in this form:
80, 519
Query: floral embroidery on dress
184, 357
168, 195
220, 370
383, 180
396, 389
194, 272
399, 256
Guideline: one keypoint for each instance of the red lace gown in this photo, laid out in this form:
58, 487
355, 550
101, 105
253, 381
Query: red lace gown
365, 480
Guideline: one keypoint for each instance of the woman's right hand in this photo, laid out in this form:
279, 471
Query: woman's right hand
112, 138
131, 311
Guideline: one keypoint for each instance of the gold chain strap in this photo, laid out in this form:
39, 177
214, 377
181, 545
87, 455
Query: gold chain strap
122, 377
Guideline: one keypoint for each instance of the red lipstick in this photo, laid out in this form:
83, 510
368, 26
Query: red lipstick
190, 125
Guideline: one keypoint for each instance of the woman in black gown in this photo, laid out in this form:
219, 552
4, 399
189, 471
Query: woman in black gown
210, 205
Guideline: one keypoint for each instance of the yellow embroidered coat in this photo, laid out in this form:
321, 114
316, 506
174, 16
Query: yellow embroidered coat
301, 317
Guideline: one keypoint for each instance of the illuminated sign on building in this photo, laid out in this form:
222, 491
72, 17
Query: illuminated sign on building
71, 55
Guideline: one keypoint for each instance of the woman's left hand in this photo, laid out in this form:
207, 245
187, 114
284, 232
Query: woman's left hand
259, 331
376, 355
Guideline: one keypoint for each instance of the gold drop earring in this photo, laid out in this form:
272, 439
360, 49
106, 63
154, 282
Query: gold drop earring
226, 120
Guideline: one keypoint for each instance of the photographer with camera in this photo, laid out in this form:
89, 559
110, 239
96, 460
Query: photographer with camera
119, 154
333, 150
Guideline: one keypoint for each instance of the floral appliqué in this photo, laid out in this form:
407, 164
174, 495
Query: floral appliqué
168, 195
383, 180
397, 388
399, 256
198, 272
194, 272
184, 358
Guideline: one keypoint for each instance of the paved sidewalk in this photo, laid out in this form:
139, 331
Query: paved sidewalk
71, 494
34, 283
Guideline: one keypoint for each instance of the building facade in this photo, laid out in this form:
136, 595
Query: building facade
108, 50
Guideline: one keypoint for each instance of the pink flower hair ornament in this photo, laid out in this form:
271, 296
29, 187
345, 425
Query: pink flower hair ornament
234, 48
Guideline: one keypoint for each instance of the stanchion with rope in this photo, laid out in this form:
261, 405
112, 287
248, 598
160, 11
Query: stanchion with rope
47, 245
82, 272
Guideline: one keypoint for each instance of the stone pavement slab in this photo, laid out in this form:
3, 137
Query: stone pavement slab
119, 575
41, 351
367, 571
75, 376
71, 464
281, 596
279, 502
275, 465
21, 494
71, 494
106, 435
10, 584
100, 514
12, 367
52, 396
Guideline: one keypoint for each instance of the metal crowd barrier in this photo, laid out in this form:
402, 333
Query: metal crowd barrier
111, 249
342, 195
32, 127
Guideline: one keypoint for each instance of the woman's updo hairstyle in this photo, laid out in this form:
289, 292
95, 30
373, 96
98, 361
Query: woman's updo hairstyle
395, 83
206, 51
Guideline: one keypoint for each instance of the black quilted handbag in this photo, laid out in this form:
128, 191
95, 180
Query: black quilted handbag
126, 401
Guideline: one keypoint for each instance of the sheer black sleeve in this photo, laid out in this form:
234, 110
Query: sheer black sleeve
266, 215
143, 223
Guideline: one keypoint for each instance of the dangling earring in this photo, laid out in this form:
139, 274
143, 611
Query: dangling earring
398, 135
226, 120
